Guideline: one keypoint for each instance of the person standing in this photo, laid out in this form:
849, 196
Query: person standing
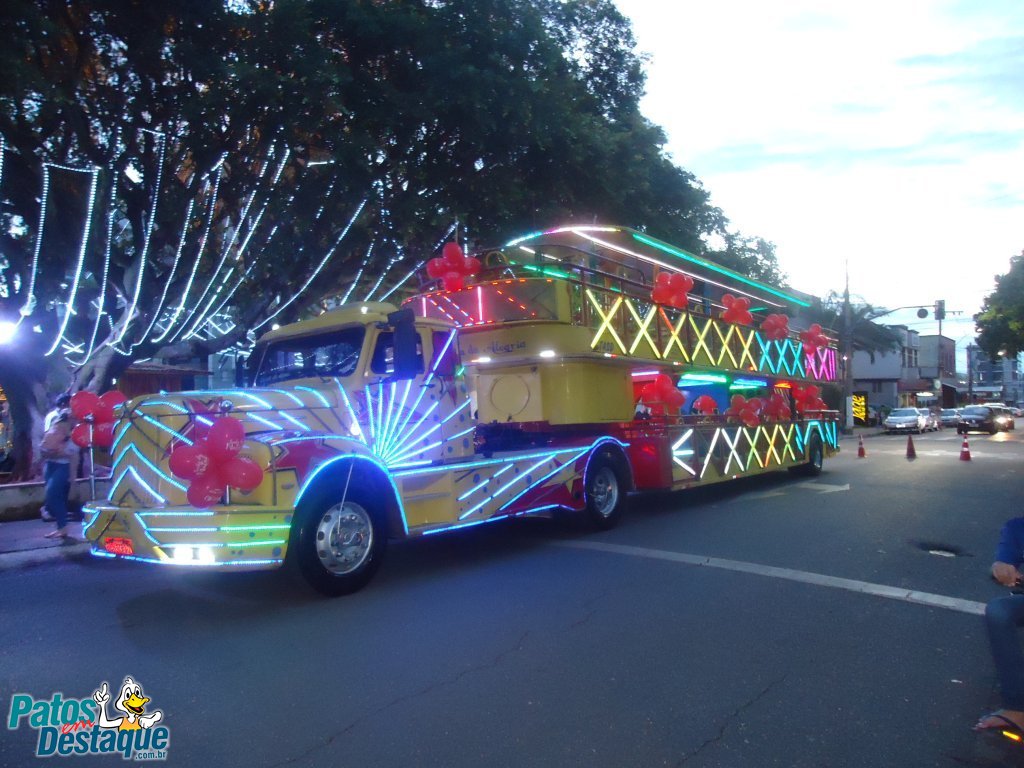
58, 450
1003, 618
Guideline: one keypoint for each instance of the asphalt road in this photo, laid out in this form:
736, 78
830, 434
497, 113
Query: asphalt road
540, 643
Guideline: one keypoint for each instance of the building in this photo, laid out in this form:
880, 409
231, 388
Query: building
892, 379
998, 379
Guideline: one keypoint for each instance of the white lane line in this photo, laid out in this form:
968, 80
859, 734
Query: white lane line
806, 577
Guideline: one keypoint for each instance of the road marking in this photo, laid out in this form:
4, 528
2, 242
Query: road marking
764, 495
852, 585
824, 487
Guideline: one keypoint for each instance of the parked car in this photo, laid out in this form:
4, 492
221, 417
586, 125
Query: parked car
978, 418
904, 420
949, 417
931, 421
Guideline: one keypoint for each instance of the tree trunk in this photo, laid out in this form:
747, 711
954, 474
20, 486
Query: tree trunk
24, 382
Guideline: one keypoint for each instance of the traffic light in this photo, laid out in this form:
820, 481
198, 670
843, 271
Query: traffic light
940, 309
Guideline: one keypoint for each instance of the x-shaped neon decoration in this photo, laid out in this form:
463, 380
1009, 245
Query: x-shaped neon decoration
746, 353
771, 445
766, 357
606, 322
758, 431
678, 450
701, 340
732, 450
710, 453
674, 335
725, 343
644, 325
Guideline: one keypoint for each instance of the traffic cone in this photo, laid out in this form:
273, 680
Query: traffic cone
861, 453
965, 451
911, 453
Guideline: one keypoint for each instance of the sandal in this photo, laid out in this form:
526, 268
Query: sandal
59, 533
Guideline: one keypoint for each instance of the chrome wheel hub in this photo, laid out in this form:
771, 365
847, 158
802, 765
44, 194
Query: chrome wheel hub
604, 491
344, 537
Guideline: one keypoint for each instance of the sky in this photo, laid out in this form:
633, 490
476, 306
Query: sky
886, 137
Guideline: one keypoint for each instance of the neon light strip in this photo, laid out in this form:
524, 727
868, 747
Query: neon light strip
160, 425
357, 457
715, 268
476, 488
293, 420
261, 420
503, 460
506, 486
318, 394
448, 418
548, 476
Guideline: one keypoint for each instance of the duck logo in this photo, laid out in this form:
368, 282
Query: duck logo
83, 727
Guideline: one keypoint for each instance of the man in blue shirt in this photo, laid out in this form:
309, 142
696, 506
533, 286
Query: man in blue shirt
1003, 617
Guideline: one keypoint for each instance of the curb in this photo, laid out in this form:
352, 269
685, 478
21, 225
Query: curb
24, 558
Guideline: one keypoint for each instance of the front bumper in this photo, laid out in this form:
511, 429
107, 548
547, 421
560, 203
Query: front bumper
911, 426
221, 538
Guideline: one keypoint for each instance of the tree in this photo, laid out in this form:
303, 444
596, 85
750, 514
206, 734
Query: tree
177, 175
1001, 320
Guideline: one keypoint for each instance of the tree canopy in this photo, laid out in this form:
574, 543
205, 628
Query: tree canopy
176, 175
1001, 320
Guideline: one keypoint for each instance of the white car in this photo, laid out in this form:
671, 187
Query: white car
931, 421
904, 420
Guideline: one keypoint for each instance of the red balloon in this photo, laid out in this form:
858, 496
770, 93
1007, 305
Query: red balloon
205, 491
81, 435
705, 404
676, 399
227, 435
649, 394
661, 294
436, 268
453, 256
83, 404
453, 281
679, 300
750, 418
103, 434
472, 266
190, 462
242, 473
113, 398
663, 278
663, 383
102, 412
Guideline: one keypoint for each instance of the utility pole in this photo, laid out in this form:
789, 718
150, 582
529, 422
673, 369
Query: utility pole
847, 353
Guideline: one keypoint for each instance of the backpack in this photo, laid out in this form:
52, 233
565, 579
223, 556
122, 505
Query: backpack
55, 440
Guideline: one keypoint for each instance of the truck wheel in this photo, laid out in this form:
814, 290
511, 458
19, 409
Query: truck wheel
815, 459
340, 545
605, 492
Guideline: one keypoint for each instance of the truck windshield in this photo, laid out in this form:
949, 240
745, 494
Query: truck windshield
328, 354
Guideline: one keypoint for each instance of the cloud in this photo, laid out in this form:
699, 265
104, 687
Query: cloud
990, 68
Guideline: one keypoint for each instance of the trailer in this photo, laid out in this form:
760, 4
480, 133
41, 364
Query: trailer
562, 373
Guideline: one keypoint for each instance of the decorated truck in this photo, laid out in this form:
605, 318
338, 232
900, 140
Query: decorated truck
560, 372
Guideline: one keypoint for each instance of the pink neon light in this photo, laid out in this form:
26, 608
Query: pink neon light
480, 302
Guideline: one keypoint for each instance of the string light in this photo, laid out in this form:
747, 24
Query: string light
218, 170
30, 301
319, 268
420, 264
70, 306
147, 238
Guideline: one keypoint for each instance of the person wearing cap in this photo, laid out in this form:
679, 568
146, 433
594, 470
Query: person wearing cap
1003, 618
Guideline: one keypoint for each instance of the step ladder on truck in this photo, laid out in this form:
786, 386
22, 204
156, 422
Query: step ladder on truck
578, 365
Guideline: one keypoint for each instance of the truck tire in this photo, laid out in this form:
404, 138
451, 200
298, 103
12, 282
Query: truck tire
340, 545
815, 459
605, 492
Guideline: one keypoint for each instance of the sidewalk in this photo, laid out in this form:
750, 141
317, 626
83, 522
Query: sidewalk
24, 542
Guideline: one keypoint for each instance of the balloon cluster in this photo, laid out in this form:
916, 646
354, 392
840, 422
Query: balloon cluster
775, 327
808, 399
452, 267
813, 339
747, 411
705, 404
661, 394
212, 463
96, 414
777, 408
737, 309
672, 288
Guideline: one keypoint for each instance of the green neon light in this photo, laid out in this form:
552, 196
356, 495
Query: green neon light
715, 268
237, 544
543, 270
738, 387
284, 527
704, 378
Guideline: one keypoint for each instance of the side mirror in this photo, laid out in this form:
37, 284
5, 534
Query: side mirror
407, 363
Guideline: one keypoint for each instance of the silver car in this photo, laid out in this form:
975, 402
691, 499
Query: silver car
949, 417
904, 420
